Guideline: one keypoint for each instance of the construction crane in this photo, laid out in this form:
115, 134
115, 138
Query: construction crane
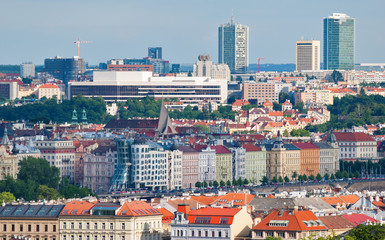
259, 61
78, 42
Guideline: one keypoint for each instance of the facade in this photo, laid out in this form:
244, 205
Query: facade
81, 220
8, 163
122, 85
99, 168
329, 156
35, 222
27, 70
61, 154
160, 66
190, 166
260, 92
132, 67
175, 175
223, 163
207, 161
155, 52
81, 148
238, 161
233, 46
9, 90
255, 163
309, 158
49, 91
65, 69
339, 42
308, 55
205, 68
210, 223
316, 97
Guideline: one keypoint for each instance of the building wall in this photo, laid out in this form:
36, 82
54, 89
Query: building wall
175, 169
8, 163
308, 55
224, 167
255, 166
207, 162
310, 161
260, 92
9, 90
49, 93
329, 162
282, 162
34, 228
190, 168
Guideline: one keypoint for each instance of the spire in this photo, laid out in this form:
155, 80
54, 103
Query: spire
74, 117
232, 17
84, 117
5, 139
165, 126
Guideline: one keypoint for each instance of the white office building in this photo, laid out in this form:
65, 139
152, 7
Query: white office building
27, 70
308, 55
205, 68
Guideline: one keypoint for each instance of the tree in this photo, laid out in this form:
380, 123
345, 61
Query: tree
228, 183
286, 133
238, 79
47, 193
362, 91
326, 176
286, 179
222, 183
239, 182
215, 184
283, 97
311, 177
300, 178
345, 174
338, 175
6, 197
357, 174
205, 184
245, 182
318, 177
375, 232
251, 78
337, 77
275, 180
277, 106
264, 180
332, 177
234, 182
68, 190
295, 175
38, 170
273, 238
198, 184
189, 74
210, 184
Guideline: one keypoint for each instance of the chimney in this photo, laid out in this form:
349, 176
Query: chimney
184, 208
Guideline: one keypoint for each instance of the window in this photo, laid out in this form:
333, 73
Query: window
96, 226
103, 226
54, 228
123, 226
37, 228
46, 228
72, 237
123, 238
88, 237
80, 237
96, 238
72, 225
21, 227
65, 237
111, 237
5, 227
13, 227
111, 226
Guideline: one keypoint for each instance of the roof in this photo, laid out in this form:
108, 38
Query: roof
352, 137
132, 123
48, 85
291, 221
30, 211
212, 215
236, 199
77, 208
287, 103
194, 204
305, 145
358, 219
187, 149
267, 103
167, 215
276, 113
336, 222
270, 196
240, 102
339, 200
350, 199
289, 147
137, 209
219, 149
251, 147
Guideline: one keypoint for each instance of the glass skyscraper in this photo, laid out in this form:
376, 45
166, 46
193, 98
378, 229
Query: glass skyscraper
233, 46
339, 41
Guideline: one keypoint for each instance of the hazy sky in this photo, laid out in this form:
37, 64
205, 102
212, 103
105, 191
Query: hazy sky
32, 30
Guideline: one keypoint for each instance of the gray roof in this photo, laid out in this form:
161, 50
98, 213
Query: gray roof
314, 203
30, 211
323, 145
266, 204
289, 147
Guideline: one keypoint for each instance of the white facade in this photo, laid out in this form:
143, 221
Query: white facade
239, 162
206, 68
27, 70
60, 154
175, 169
207, 163
112, 109
308, 55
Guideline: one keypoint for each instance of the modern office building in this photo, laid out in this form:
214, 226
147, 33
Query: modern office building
308, 55
233, 46
159, 65
339, 41
27, 70
155, 52
9, 89
122, 85
65, 69
205, 68
175, 68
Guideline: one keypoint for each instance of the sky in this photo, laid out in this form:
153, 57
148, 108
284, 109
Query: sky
35, 30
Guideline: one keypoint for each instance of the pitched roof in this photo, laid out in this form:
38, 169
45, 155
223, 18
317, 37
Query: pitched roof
205, 200
251, 147
219, 149
167, 215
213, 215
352, 137
276, 113
236, 199
294, 220
186, 149
137, 208
305, 145
287, 103
358, 219
78, 208
240, 102
48, 85
336, 222
350, 199
26, 210
267, 103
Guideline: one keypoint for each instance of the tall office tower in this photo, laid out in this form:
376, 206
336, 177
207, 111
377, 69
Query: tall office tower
339, 42
308, 55
65, 69
27, 70
233, 46
155, 52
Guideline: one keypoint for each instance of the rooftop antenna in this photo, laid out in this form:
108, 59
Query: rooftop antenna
232, 17
302, 38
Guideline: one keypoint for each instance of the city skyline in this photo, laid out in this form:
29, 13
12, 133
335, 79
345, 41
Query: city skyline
34, 31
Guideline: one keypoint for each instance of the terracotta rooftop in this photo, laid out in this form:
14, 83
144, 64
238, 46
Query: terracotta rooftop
251, 147
48, 85
336, 222
213, 215
78, 208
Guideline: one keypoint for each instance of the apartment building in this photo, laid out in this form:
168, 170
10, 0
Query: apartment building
255, 162
190, 166
260, 92
309, 158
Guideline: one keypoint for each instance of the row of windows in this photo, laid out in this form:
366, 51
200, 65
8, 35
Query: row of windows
27, 228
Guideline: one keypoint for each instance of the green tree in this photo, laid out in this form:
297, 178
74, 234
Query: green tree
286, 133
345, 174
189, 74
210, 183
222, 183
283, 97
295, 175
332, 176
337, 77
264, 180
234, 182
215, 184
239, 182
326, 176
373, 232
47, 193
311, 177
68, 190
198, 184
277, 106
251, 78
205, 184
273, 238
338, 175
6, 197
275, 179
228, 183
318, 177
238, 79
286, 179
245, 182
38, 170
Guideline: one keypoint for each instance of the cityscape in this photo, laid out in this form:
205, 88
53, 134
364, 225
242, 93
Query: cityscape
226, 144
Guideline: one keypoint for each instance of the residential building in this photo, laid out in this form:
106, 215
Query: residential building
287, 105
110, 221
337, 225
205, 68
49, 91
282, 159
32, 221
329, 155
238, 104
190, 166
65, 69
210, 223
175, 167
155, 52
339, 42
81, 148
238, 159
130, 67
289, 224
308, 55
122, 85
8, 163
309, 158
223, 163
233, 46
27, 70
9, 89
316, 97
99, 168
260, 92
207, 164
255, 162
61, 154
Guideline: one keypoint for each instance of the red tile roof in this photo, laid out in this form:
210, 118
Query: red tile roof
352, 137
214, 215
167, 215
251, 147
236, 199
276, 113
48, 86
305, 145
336, 222
78, 208
219, 149
240, 102
358, 219
137, 208
267, 103
296, 221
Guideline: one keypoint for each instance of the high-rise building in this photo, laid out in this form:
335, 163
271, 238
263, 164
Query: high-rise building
27, 70
205, 68
339, 42
155, 52
233, 46
65, 69
308, 55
